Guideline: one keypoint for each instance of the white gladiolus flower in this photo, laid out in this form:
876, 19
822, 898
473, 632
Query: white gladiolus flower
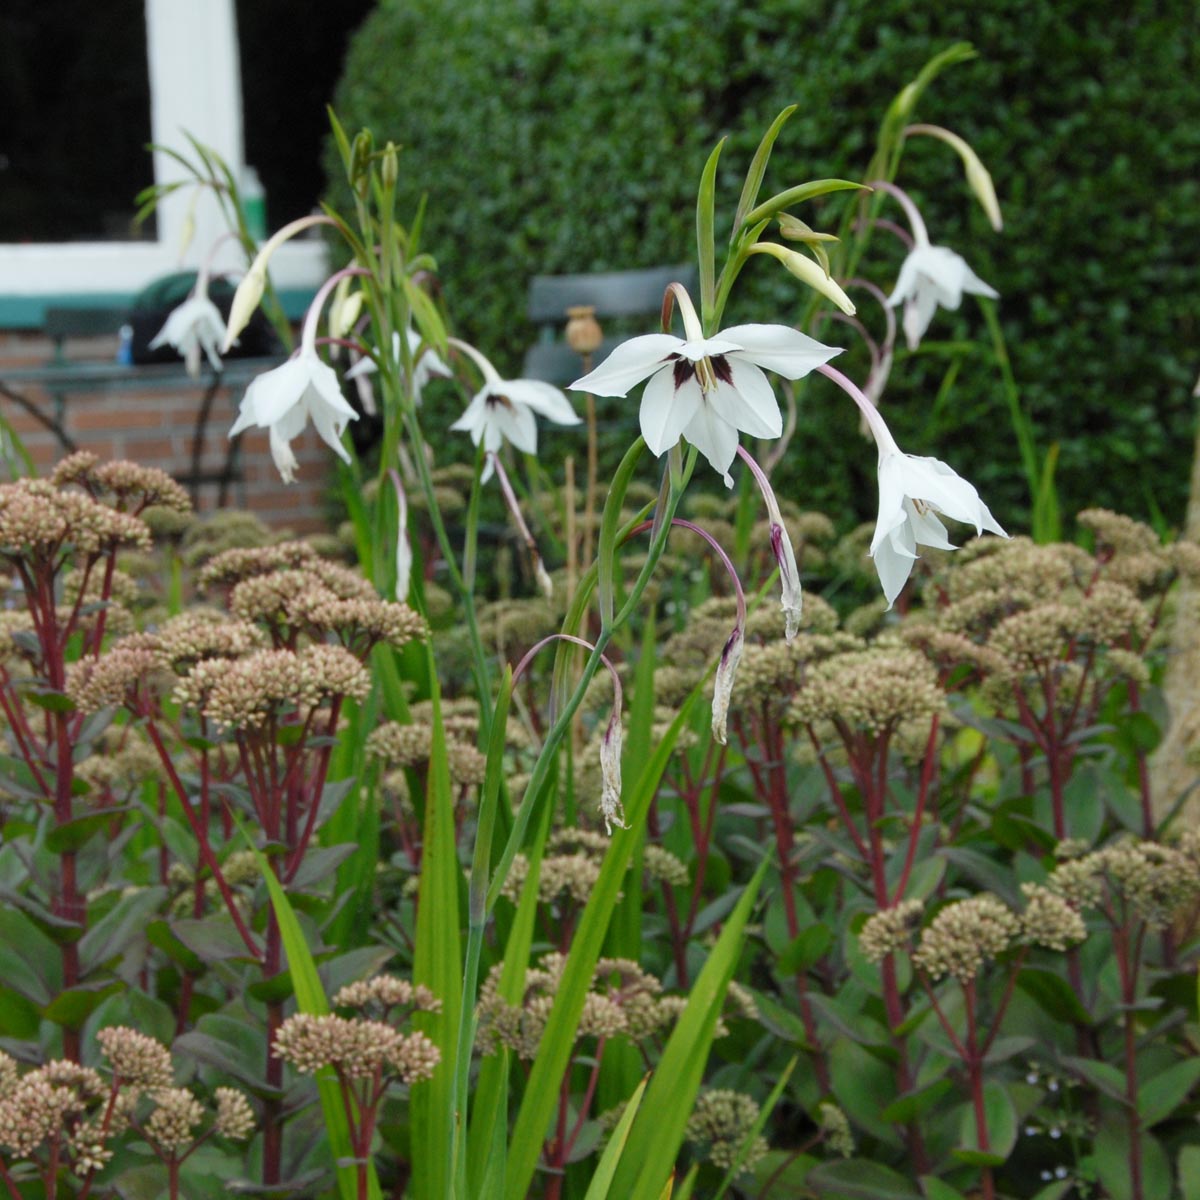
503, 409
912, 492
707, 390
195, 326
933, 275
427, 365
283, 399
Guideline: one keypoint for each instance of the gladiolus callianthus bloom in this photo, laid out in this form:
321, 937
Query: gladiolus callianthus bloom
707, 389
505, 408
195, 326
282, 400
912, 493
428, 365
929, 276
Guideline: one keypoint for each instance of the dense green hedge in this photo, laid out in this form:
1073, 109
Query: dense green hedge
566, 135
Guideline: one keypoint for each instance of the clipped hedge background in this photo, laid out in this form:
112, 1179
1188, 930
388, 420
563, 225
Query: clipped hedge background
568, 135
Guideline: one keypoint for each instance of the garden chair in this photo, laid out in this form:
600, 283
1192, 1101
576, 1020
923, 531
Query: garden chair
615, 295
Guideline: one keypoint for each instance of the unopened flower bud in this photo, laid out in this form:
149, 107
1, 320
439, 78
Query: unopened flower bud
360, 157
808, 272
389, 166
246, 299
584, 334
978, 178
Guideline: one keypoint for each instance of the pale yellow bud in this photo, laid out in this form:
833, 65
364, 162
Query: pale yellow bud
978, 178
808, 272
246, 299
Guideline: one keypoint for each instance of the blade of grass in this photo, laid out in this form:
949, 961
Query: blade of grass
489, 797
490, 1098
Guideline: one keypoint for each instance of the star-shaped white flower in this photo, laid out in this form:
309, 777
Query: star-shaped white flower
708, 389
929, 276
504, 409
912, 492
194, 326
283, 399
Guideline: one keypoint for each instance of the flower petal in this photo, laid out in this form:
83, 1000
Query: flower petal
894, 562
706, 347
628, 364
715, 438
780, 348
515, 422
747, 402
666, 410
545, 399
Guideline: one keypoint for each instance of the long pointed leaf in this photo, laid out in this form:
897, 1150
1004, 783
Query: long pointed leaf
758, 168
311, 999
437, 964
657, 1136
598, 1189
558, 1039
706, 252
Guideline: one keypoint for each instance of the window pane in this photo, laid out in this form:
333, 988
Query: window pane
75, 94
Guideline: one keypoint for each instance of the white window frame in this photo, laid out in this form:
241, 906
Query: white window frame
195, 85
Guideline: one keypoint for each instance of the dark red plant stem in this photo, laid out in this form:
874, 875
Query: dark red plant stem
914, 834
557, 1156
974, 1065
839, 801
15, 715
200, 833
315, 788
1127, 969
1002, 1007
8, 1182
586, 1104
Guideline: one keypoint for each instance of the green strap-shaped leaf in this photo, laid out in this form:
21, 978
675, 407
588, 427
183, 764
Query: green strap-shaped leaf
437, 964
658, 1134
758, 167
311, 999
558, 1039
598, 1189
706, 252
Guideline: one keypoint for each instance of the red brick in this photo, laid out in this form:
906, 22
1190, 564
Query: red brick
115, 418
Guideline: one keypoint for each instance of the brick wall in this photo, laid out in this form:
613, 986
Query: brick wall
158, 429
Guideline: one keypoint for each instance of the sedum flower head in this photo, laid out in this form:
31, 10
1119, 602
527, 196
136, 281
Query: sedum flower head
235, 1118
172, 1125
890, 929
966, 935
872, 690
136, 1059
1048, 920
720, 1124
